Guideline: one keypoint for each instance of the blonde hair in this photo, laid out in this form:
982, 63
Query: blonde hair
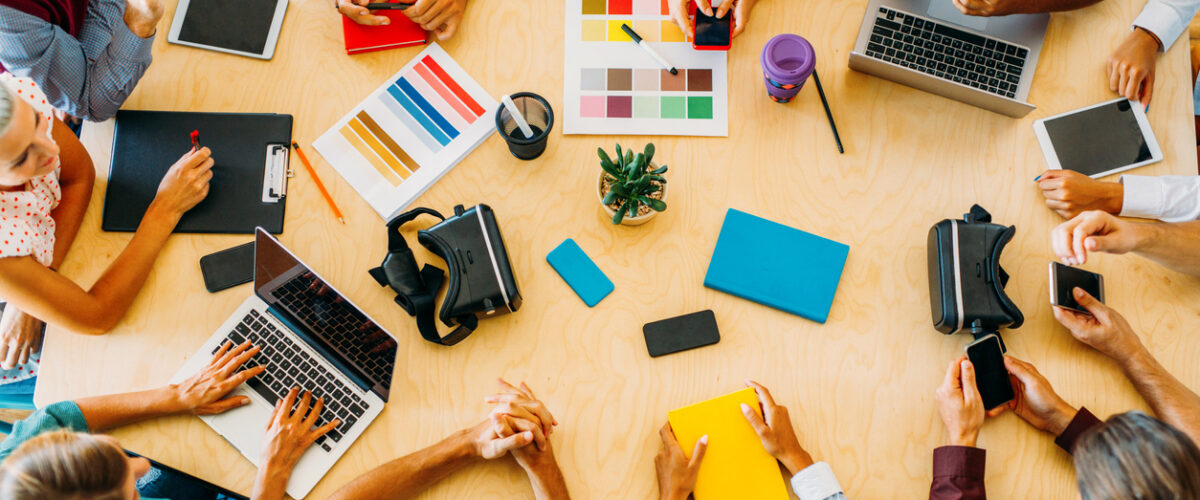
67, 466
7, 106
1134, 455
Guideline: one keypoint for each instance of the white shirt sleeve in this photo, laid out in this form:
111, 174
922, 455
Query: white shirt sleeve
1167, 19
817, 482
1169, 198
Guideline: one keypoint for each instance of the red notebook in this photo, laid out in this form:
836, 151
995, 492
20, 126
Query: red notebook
402, 32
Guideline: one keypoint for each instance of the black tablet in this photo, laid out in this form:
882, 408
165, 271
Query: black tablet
243, 27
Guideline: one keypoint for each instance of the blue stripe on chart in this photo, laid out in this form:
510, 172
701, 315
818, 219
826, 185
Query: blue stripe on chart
413, 111
428, 108
416, 128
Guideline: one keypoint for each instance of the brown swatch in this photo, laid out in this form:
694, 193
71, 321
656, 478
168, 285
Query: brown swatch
674, 83
699, 80
620, 79
387, 141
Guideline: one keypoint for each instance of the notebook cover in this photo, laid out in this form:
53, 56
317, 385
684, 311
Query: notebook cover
147, 143
402, 32
735, 465
584, 277
776, 265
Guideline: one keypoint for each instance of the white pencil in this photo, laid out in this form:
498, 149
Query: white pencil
518, 117
649, 50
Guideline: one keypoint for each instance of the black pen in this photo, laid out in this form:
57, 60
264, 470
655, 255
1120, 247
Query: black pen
649, 50
828, 114
388, 6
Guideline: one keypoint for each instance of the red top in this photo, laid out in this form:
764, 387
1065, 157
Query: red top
66, 14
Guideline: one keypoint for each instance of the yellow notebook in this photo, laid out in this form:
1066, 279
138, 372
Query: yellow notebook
735, 466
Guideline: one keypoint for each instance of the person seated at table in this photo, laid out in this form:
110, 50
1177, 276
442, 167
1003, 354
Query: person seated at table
441, 17
46, 180
86, 55
740, 8
519, 424
677, 473
52, 453
1173, 245
1169, 198
1131, 455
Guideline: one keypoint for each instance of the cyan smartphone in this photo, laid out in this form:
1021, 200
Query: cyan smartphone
681, 333
991, 377
580, 273
228, 268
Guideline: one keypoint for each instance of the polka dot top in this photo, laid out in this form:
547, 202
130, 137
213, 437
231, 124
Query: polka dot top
26, 227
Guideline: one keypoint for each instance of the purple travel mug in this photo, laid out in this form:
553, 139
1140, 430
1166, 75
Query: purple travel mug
787, 61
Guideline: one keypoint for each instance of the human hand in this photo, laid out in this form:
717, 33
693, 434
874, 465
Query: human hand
1095, 231
289, 433
357, 11
520, 403
1105, 330
442, 17
185, 183
741, 13
20, 336
1070, 193
987, 8
142, 16
1131, 66
1035, 401
204, 393
775, 430
959, 403
677, 474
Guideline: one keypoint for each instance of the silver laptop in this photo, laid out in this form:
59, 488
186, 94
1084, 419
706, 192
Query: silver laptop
929, 45
313, 338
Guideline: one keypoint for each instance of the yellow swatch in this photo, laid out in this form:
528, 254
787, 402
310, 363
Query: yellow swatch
735, 466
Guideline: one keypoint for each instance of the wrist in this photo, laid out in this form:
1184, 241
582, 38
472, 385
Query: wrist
465, 444
160, 213
172, 401
271, 478
796, 461
140, 28
1115, 199
963, 438
1062, 417
1146, 37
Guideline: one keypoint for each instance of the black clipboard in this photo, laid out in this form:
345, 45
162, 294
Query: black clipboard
249, 183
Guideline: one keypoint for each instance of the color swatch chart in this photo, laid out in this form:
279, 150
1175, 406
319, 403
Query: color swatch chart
410, 132
611, 86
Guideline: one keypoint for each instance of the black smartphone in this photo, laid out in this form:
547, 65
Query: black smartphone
228, 268
1064, 279
681, 333
712, 33
991, 377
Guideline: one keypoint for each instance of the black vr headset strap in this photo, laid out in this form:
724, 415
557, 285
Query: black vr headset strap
1000, 277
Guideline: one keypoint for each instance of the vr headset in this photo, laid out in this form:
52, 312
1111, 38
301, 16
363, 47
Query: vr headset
966, 281
481, 284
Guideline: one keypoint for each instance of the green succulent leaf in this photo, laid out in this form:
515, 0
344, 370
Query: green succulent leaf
620, 155
620, 190
609, 198
659, 171
628, 159
633, 209
648, 152
653, 189
639, 162
656, 205
658, 178
620, 215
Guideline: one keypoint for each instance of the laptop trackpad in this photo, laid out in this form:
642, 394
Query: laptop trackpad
946, 11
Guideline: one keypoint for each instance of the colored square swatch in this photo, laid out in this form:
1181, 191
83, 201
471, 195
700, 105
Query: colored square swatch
645, 106
594, 7
646, 7
592, 79
615, 33
593, 31
621, 106
700, 107
646, 79
620, 79
666, 8
591, 106
671, 32
699, 80
648, 30
673, 83
673, 107
620, 7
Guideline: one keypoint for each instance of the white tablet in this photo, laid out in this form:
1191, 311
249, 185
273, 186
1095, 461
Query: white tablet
1099, 140
243, 27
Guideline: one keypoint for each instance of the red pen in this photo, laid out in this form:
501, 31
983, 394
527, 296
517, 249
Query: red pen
195, 140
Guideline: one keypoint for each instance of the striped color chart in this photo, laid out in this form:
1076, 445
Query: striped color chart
430, 105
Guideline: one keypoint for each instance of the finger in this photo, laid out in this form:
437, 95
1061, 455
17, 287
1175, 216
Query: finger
739, 25
512, 388
760, 427
513, 442
224, 348
703, 6
223, 405
1088, 302
1123, 81
1023, 371
198, 157
1147, 90
952, 381
764, 396
5, 361
302, 408
970, 392
698, 452
324, 429
418, 9
241, 377
995, 412
24, 350
448, 30
288, 401
1056, 204
1051, 183
235, 363
311, 419
522, 425
724, 8
437, 21
1114, 76
1133, 85
668, 437
528, 392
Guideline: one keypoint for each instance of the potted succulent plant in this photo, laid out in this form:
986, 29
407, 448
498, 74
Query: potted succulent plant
631, 188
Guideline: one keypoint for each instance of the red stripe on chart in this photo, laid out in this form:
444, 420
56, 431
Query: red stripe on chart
453, 85
446, 94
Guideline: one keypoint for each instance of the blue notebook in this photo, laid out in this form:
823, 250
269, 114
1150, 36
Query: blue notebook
776, 265
584, 277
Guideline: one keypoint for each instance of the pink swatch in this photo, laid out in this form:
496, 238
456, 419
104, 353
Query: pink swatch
591, 106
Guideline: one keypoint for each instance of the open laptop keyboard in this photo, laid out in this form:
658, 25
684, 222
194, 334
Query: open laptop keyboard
946, 52
290, 366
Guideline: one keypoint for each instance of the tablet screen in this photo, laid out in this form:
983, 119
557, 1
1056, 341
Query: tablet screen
241, 25
1099, 139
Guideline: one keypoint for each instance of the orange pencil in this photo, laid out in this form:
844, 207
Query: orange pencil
311, 171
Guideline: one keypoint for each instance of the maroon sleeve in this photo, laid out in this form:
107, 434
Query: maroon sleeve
958, 473
1083, 421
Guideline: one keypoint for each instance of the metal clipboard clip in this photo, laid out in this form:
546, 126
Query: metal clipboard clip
276, 173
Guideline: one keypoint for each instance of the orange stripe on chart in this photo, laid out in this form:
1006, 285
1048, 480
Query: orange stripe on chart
390, 159
453, 85
370, 156
446, 94
409, 164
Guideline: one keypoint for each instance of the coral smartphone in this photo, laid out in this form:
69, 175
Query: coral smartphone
711, 33
991, 377
228, 268
1064, 279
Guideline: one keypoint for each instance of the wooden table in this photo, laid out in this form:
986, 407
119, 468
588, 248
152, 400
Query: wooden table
860, 388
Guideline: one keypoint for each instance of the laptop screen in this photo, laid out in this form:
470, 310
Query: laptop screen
322, 316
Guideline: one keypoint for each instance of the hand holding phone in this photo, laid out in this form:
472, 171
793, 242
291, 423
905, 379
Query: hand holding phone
1064, 279
991, 377
710, 32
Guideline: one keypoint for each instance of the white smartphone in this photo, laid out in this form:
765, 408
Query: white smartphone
1064, 279
1099, 140
243, 27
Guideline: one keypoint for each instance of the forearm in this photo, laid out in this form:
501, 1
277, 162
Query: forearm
548, 482
1171, 401
270, 483
115, 410
1060, 5
1173, 245
406, 476
116, 289
78, 177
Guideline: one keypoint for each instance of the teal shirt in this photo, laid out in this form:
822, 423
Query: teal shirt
64, 415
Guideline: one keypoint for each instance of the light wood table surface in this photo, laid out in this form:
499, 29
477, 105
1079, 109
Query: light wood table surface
860, 388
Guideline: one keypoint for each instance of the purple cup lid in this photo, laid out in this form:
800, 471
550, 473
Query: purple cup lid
788, 59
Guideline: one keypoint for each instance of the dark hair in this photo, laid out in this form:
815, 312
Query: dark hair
64, 465
1136, 456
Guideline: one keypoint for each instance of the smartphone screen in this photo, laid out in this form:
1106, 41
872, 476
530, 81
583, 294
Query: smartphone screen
1064, 279
991, 377
712, 31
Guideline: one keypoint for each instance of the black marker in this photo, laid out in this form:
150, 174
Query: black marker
641, 43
